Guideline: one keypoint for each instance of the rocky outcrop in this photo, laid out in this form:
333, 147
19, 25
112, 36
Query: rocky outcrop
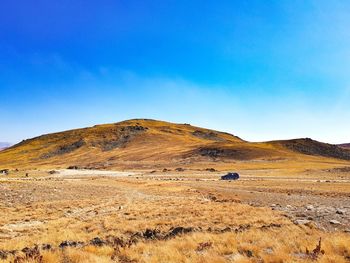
311, 147
209, 135
120, 137
64, 149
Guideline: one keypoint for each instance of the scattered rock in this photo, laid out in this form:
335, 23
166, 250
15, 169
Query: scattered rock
97, 242
73, 167
268, 250
340, 211
210, 170
179, 169
334, 222
212, 197
179, 230
226, 229
46, 246
302, 222
68, 243
301, 215
242, 228
310, 207
151, 234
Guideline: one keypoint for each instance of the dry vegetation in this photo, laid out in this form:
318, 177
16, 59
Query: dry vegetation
150, 218
290, 205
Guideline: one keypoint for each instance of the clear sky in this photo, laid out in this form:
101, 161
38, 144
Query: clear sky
261, 70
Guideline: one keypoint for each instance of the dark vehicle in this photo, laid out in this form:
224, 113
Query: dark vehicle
230, 176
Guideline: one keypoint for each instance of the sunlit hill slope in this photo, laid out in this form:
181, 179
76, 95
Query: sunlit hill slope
146, 144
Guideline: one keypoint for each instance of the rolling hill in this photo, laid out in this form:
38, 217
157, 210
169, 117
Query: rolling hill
149, 144
345, 145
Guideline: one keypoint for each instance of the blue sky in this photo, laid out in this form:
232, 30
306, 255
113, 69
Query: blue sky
262, 70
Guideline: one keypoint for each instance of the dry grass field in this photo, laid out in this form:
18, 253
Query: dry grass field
188, 216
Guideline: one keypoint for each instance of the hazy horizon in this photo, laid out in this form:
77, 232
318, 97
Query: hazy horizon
261, 71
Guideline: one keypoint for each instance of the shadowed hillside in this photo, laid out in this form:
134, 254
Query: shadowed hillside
311, 147
141, 143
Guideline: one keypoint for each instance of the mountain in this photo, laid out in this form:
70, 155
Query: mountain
345, 145
4, 145
148, 144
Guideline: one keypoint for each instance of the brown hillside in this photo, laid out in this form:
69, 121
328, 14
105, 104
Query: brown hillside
311, 147
141, 143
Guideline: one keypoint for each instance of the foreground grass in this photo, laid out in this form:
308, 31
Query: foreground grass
254, 245
223, 230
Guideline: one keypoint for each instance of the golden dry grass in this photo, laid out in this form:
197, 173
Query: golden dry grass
41, 210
